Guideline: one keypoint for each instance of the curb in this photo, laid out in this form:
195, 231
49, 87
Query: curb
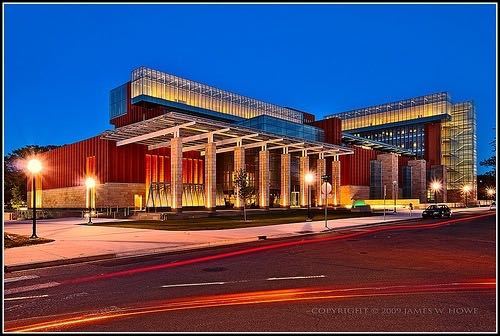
59, 262
194, 247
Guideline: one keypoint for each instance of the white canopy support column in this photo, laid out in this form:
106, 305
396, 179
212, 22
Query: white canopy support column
285, 179
303, 170
176, 172
264, 178
320, 171
239, 163
336, 180
210, 175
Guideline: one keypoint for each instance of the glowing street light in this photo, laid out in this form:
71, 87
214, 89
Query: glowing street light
90, 184
436, 186
309, 179
34, 167
466, 189
491, 192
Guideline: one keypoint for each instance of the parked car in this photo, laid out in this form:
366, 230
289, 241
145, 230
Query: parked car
437, 211
493, 205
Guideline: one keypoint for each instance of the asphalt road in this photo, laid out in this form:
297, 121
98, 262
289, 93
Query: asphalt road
403, 279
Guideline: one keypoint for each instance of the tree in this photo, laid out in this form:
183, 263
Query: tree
243, 190
491, 161
15, 182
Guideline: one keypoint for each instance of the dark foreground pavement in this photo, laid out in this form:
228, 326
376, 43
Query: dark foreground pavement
424, 279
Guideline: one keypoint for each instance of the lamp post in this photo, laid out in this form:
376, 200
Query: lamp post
90, 183
435, 186
309, 178
325, 191
395, 193
466, 189
34, 167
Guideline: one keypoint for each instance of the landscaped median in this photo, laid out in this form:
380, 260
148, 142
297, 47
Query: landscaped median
234, 221
14, 240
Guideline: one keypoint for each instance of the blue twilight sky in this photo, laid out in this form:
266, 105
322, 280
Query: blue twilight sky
62, 60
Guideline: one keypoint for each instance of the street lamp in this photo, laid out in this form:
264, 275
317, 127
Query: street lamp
309, 179
490, 192
34, 167
435, 186
90, 184
395, 193
466, 189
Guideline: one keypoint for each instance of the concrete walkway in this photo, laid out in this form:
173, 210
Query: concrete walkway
76, 242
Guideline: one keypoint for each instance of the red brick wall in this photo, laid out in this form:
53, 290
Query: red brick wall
332, 128
433, 144
355, 168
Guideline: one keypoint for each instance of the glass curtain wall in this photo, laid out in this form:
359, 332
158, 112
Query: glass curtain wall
161, 85
410, 137
462, 169
415, 108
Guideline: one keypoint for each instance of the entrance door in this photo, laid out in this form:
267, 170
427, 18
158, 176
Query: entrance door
138, 202
294, 199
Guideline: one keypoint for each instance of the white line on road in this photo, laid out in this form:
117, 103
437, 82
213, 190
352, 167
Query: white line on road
297, 277
24, 277
240, 281
30, 288
25, 297
195, 284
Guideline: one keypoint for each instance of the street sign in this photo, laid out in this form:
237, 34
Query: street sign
326, 188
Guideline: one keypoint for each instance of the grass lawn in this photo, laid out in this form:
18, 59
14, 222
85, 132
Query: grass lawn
232, 222
14, 240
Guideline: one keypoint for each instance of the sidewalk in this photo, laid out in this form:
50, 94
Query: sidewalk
76, 242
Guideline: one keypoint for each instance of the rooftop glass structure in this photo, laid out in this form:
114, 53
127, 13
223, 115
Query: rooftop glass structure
435, 106
161, 85
284, 127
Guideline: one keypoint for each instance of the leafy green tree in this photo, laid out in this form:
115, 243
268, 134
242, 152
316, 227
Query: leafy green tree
15, 181
243, 189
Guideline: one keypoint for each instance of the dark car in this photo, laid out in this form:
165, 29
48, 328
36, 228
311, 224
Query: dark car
437, 211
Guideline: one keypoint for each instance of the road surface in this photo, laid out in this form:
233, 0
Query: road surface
422, 275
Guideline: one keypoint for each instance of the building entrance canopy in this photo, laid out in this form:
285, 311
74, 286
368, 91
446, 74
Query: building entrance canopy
195, 132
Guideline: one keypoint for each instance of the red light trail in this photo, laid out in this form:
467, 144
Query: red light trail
259, 297
245, 251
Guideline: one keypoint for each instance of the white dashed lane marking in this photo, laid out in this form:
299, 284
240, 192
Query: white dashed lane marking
25, 297
20, 278
30, 288
297, 277
240, 281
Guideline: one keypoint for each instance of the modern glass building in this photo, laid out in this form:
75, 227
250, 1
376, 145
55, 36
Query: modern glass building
432, 127
177, 143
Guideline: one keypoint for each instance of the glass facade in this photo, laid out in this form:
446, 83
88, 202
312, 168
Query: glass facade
409, 137
118, 101
460, 152
402, 124
161, 85
416, 108
285, 128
